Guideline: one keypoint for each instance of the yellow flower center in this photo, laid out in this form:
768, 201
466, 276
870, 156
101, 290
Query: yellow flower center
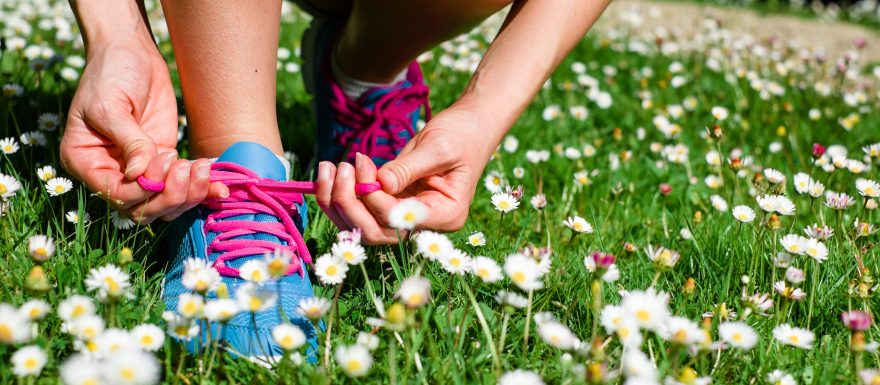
181, 330
643, 315
5, 333
455, 262
434, 248
680, 336
59, 188
738, 337
35, 312
504, 205
414, 299
255, 303
112, 287
313, 312
353, 365
518, 277
287, 342
190, 307
409, 216
577, 226
127, 374
3, 189
78, 310
348, 256
90, 381
794, 339
146, 340
332, 270
257, 276
623, 332
31, 363
483, 273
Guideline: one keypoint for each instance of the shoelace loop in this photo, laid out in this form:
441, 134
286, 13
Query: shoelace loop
249, 194
388, 118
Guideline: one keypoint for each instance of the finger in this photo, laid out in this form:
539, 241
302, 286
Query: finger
323, 191
353, 211
411, 166
378, 202
174, 195
199, 183
158, 168
218, 190
138, 148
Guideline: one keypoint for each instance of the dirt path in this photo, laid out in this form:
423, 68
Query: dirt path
834, 37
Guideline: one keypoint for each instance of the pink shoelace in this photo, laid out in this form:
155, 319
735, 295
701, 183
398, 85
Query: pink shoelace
250, 194
388, 118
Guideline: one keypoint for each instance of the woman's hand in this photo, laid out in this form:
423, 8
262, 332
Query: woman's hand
122, 124
440, 167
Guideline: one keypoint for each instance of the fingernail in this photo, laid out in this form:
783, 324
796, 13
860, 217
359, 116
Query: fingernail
134, 163
169, 158
345, 170
183, 170
358, 161
323, 171
203, 171
224, 194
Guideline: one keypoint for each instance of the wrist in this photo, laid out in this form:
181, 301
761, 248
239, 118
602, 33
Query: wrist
102, 22
491, 120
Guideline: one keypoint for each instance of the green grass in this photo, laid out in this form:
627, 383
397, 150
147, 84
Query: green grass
444, 342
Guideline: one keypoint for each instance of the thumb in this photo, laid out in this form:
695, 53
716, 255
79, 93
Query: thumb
408, 168
138, 148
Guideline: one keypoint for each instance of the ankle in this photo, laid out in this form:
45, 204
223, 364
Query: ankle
364, 64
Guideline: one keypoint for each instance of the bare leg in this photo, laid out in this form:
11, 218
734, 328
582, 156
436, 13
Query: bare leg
383, 36
225, 51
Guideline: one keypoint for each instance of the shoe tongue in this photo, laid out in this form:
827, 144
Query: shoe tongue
256, 158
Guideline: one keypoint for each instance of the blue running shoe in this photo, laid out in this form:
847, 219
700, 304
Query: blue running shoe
378, 124
264, 213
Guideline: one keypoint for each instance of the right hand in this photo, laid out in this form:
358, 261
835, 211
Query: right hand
122, 124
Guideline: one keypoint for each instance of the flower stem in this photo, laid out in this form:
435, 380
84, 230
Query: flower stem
330, 327
485, 326
526, 329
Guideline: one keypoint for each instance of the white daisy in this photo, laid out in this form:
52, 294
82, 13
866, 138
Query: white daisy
221, 310
80, 369
330, 270
87, 327
523, 271
816, 249
121, 222
457, 262
74, 307
493, 181
774, 176
253, 298
313, 308
190, 305
649, 308
433, 246
350, 252
132, 366
148, 337
368, 340
109, 282
557, 335
578, 225
407, 214
15, 327
288, 337
509, 298
34, 310
8, 146
719, 113
487, 269
355, 360
41, 247
179, 327
28, 361
48, 121
504, 202
476, 239
45, 173
414, 291
743, 213
199, 275
793, 336
520, 377
72, 216
682, 331
794, 244
868, 188
8, 186
254, 270
738, 334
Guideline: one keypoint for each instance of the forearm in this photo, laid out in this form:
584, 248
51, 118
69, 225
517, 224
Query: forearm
102, 21
535, 38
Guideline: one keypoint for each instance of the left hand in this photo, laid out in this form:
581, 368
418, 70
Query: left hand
440, 167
